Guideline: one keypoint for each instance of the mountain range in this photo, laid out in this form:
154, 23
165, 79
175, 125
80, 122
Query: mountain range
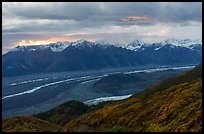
87, 55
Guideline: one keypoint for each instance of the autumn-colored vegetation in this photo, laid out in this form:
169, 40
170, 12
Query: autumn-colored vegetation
28, 124
171, 105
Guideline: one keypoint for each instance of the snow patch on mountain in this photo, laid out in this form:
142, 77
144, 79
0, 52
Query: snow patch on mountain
55, 47
59, 46
138, 45
83, 43
112, 98
157, 48
135, 45
184, 43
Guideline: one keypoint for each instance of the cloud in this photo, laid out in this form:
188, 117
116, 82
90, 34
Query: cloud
136, 18
97, 20
97, 14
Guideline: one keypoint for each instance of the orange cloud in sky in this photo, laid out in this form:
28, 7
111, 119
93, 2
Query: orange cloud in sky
65, 37
44, 41
33, 42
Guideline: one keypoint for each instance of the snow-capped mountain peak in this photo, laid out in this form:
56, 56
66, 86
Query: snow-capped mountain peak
103, 42
83, 43
80, 41
179, 42
59, 46
135, 45
137, 42
55, 47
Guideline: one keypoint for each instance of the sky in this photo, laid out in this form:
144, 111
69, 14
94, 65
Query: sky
34, 23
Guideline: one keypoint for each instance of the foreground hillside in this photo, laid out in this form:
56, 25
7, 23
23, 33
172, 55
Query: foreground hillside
28, 124
171, 105
174, 104
64, 113
67, 111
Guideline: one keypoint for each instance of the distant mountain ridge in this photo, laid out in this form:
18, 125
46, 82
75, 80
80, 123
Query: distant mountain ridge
87, 55
187, 43
59, 46
134, 45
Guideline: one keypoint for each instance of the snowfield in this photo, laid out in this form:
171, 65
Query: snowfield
112, 98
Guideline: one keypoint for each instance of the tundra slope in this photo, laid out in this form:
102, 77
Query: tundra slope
174, 104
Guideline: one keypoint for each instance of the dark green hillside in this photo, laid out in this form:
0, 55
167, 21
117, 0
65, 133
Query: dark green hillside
28, 124
64, 113
171, 105
115, 82
67, 111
